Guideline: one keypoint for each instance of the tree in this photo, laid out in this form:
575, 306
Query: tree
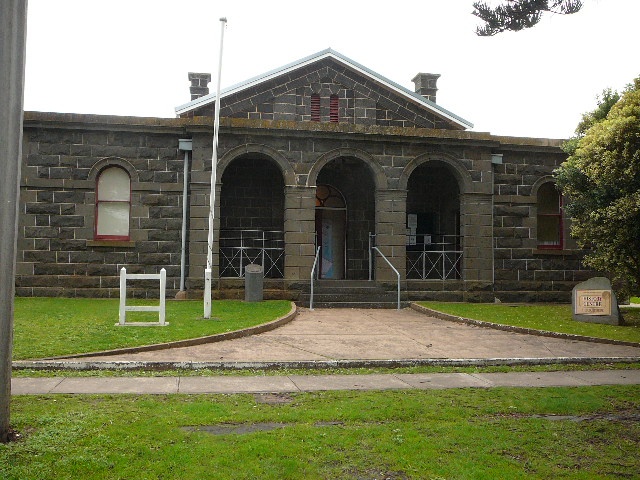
517, 15
601, 181
606, 100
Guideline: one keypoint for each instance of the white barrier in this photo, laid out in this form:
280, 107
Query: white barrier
162, 276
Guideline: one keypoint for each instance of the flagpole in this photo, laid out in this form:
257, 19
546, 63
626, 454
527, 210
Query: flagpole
212, 196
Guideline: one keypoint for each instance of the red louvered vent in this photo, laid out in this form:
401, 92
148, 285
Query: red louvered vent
334, 105
315, 107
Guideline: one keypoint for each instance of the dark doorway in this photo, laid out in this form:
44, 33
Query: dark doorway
252, 217
353, 179
434, 244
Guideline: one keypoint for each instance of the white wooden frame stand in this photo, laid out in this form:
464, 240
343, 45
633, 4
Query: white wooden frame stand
162, 276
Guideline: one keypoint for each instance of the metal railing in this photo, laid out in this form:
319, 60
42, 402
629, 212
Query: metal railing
434, 257
373, 247
239, 248
392, 268
313, 275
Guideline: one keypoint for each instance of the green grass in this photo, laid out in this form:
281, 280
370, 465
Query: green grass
635, 299
209, 372
503, 433
554, 318
46, 327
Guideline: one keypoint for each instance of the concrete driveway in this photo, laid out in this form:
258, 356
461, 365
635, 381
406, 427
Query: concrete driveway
363, 334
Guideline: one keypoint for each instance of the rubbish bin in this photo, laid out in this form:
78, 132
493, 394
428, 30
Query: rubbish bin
253, 283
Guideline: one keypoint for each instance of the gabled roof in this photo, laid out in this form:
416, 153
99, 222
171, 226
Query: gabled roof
328, 53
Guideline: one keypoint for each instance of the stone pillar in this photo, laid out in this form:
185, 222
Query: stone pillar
476, 221
299, 233
200, 187
391, 229
13, 31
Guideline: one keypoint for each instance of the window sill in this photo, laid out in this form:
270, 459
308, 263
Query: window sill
552, 251
111, 243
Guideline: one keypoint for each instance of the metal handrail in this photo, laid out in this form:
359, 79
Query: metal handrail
393, 268
313, 274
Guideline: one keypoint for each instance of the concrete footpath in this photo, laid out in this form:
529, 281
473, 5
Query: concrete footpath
311, 383
330, 338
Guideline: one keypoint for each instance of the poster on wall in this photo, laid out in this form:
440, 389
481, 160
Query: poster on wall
327, 249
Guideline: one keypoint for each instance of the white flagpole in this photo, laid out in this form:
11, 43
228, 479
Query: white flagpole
212, 196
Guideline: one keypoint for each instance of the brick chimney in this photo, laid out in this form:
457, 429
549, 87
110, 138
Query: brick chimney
426, 85
199, 84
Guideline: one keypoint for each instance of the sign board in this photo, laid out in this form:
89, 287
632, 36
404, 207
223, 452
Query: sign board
593, 302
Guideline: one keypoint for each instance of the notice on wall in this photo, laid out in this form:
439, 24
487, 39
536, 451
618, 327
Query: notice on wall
593, 302
411, 236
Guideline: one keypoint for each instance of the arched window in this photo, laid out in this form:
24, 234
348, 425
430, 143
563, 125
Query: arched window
549, 217
113, 204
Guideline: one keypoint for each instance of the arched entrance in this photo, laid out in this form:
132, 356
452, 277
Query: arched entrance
331, 228
346, 181
252, 216
434, 244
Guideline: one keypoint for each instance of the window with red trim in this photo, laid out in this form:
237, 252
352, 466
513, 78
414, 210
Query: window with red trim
334, 105
549, 228
113, 204
315, 107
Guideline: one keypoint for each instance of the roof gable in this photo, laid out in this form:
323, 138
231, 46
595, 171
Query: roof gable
365, 95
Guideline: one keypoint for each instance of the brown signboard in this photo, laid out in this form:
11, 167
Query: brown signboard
593, 302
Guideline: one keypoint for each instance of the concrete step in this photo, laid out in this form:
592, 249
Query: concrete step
393, 304
350, 294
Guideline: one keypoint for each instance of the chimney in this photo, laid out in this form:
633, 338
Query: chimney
426, 85
199, 84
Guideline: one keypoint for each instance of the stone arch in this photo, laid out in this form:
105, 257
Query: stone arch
112, 162
458, 170
285, 167
379, 176
538, 183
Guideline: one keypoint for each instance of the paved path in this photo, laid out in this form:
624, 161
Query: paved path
310, 383
332, 336
368, 334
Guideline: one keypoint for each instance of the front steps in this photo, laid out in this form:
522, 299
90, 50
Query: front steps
352, 294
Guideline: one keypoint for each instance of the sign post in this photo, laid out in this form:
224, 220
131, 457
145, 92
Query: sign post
13, 32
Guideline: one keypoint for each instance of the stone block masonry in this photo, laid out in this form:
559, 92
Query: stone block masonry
59, 253
267, 179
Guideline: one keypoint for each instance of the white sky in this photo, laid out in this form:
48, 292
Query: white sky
131, 57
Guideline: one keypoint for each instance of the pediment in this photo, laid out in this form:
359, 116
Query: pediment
340, 90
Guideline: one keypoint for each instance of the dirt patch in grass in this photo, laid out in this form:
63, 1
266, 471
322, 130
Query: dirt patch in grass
236, 428
273, 398
624, 416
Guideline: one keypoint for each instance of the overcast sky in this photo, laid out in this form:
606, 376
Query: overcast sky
131, 57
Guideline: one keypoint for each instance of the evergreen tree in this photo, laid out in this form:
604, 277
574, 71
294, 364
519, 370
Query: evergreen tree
517, 15
601, 181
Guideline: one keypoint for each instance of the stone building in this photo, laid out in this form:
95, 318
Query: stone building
322, 152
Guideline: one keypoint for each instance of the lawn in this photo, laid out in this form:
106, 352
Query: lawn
46, 327
554, 318
502, 433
